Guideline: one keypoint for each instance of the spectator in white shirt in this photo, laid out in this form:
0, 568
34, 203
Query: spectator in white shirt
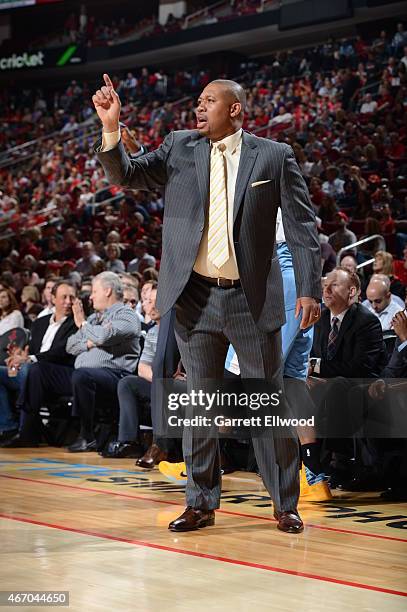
10, 314
88, 259
400, 37
385, 278
283, 117
333, 185
369, 105
380, 303
70, 125
140, 251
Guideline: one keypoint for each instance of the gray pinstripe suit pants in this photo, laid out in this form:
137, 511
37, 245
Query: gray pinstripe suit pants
208, 318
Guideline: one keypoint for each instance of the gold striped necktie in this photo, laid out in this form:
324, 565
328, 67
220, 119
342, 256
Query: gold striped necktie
218, 242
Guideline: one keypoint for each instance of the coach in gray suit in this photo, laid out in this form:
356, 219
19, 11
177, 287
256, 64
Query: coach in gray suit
222, 188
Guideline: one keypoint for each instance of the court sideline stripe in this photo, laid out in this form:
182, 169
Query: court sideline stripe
221, 511
192, 553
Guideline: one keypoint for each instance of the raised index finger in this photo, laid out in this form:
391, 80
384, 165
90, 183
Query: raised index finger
108, 81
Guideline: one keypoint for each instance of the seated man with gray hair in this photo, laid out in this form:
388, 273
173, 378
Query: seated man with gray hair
106, 347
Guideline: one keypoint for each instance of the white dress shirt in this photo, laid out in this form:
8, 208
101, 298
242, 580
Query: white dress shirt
49, 335
202, 264
386, 315
47, 311
339, 317
280, 235
229, 269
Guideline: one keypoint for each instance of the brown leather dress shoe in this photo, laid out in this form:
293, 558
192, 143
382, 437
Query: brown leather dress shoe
192, 519
152, 457
289, 521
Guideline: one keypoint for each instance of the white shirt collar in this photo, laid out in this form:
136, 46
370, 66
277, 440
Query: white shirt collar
231, 142
53, 322
339, 316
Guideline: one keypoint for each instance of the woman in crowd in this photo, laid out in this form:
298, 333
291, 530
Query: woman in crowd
383, 264
114, 263
10, 314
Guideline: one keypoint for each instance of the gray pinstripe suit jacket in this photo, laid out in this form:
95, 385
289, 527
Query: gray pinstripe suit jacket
181, 166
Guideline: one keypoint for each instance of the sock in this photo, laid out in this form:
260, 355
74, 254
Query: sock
310, 457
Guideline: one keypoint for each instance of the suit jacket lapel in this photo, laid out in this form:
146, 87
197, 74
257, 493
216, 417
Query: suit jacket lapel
346, 323
325, 327
202, 163
63, 329
38, 333
247, 158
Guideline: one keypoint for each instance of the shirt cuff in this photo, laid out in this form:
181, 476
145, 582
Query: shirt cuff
33, 358
402, 346
110, 140
317, 367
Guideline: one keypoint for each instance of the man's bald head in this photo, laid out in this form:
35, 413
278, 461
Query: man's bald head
233, 90
378, 292
382, 279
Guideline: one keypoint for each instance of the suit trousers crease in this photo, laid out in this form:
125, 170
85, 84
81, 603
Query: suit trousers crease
208, 319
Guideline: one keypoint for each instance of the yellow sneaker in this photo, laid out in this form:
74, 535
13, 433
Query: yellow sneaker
176, 472
304, 486
317, 492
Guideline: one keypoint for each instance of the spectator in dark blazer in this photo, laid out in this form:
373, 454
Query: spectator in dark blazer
49, 335
382, 449
348, 344
348, 338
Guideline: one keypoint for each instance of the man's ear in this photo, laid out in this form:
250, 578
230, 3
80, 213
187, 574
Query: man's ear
235, 109
352, 291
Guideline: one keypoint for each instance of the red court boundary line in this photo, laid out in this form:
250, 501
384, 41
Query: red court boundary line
192, 553
221, 511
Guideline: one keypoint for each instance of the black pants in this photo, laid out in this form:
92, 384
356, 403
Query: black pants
134, 395
44, 381
95, 388
91, 388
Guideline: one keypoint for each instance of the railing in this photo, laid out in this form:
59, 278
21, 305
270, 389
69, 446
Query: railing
95, 205
22, 153
27, 222
350, 247
203, 13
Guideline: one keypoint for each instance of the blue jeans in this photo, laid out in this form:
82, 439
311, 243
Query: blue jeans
296, 342
7, 420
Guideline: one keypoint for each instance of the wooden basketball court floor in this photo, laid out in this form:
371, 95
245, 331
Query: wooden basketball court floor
98, 529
